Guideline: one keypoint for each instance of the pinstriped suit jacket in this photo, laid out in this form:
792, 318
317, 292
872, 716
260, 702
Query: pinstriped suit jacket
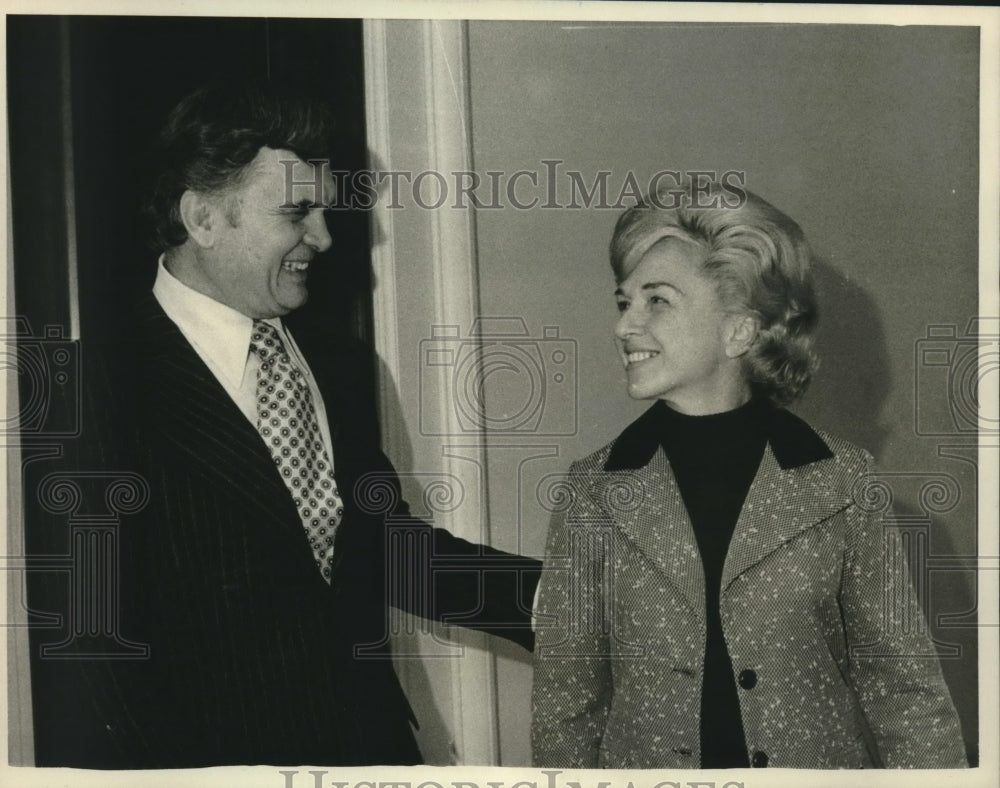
253, 658
835, 667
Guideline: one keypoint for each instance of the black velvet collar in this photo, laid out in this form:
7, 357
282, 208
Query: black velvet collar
793, 442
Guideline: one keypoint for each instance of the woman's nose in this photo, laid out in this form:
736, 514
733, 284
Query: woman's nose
629, 324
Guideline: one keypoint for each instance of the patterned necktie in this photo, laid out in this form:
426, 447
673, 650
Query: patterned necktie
286, 420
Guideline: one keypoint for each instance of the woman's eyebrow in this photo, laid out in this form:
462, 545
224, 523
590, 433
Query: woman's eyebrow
652, 286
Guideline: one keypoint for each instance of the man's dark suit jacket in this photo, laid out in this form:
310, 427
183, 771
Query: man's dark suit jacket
252, 656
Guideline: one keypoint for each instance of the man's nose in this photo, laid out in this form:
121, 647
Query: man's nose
317, 234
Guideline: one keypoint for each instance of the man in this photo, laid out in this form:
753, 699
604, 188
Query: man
260, 571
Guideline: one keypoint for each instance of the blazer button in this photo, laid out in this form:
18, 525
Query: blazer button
759, 759
748, 679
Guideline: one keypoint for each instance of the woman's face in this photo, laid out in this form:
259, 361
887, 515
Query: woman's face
676, 341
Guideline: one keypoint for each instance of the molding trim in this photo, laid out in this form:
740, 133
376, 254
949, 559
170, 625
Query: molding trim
383, 250
437, 81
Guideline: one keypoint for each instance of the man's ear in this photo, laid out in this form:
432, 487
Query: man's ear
200, 216
742, 331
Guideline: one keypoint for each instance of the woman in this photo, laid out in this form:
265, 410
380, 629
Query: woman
716, 593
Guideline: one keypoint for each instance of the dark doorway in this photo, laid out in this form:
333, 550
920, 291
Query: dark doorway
121, 76
86, 95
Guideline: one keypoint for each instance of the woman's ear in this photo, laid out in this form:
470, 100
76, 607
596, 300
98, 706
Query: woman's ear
198, 212
741, 334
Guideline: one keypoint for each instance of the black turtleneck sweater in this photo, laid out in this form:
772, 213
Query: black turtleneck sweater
714, 459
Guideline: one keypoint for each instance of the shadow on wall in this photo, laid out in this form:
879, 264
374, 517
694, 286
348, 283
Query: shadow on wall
935, 504
949, 602
849, 391
433, 734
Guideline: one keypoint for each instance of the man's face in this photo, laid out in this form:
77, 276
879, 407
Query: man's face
268, 235
672, 332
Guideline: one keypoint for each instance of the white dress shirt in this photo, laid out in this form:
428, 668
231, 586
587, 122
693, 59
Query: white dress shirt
221, 337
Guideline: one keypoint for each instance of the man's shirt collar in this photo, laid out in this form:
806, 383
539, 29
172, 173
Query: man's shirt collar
219, 331
793, 442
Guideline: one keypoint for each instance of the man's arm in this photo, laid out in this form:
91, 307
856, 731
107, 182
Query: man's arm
429, 571
441, 577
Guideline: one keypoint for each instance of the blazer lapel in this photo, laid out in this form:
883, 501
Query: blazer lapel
194, 413
781, 504
647, 505
788, 495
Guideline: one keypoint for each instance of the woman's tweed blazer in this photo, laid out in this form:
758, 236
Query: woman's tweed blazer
829, 647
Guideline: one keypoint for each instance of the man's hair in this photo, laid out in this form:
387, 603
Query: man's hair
761, 265
211, 137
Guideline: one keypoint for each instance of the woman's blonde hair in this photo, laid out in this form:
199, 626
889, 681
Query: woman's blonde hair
760, 262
